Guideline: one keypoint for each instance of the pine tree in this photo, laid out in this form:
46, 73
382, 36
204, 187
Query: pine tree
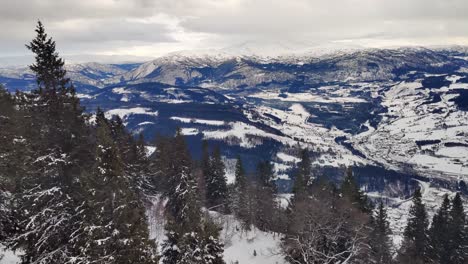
240, 195
415, 240
439, 234
115, 228
182, 208
240, 177
213, 249
350, 190
11, 146
380, 242
191, 239
303, 175
458, 244
48, 66
139, 168
264, 196
47, 205
300, 189
216, 183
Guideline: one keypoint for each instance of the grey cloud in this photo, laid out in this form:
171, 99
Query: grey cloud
114, 24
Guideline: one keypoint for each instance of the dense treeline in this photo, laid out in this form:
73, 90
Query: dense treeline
73, 188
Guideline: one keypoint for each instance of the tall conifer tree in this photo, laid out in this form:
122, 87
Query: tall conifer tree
415, 238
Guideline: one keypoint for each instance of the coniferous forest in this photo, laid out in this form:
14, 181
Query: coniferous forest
73, 189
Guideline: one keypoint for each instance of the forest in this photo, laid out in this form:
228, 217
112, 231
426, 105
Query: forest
73, 187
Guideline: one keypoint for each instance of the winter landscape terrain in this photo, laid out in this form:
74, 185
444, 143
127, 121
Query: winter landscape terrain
398, 116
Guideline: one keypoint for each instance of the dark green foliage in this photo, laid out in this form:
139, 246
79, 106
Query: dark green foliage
182, 208
115, 228
380, 242
240, 177
458, 244
189, 240
350, 190
213, 249
264, 193
71, 204
216, 186
303, 173
439, 234
54, 155
415, 241
240, 195
48, 66
265, 176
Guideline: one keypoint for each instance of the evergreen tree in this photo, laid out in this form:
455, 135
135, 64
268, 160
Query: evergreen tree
48, 67
300, 189
380, 242
11, 146
439, 234
264, 192
182, 208
189, 239
240, 194
350, 190
48, 203
458, 244
216, 186
303, 175
115, 228
240, 177
415, 240
213, 249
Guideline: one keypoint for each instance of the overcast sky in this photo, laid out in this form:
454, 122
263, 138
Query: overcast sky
156, 27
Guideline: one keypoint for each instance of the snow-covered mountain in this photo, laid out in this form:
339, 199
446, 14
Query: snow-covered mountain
393, 108
398, 115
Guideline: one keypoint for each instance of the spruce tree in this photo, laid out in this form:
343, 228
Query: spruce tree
191, 239
415, 239
350, 190
213, 249
216, 186
439, 234
48, 67
240, 177
380, 242
300, 189
48, 203
182, 208
458, 244
264, 196
240, 194
303, 175
115, 228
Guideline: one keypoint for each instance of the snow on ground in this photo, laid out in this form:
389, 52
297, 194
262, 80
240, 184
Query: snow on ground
287, 158
239, 133
146, 123
239, 246
9, 257
415, 130
124, 113
305, 97
155, 214
295, 125
187, 131
150, 150
398, 208
283, 199
230, 169
198, 121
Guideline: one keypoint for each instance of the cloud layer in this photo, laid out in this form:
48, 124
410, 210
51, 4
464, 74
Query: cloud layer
155, 27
